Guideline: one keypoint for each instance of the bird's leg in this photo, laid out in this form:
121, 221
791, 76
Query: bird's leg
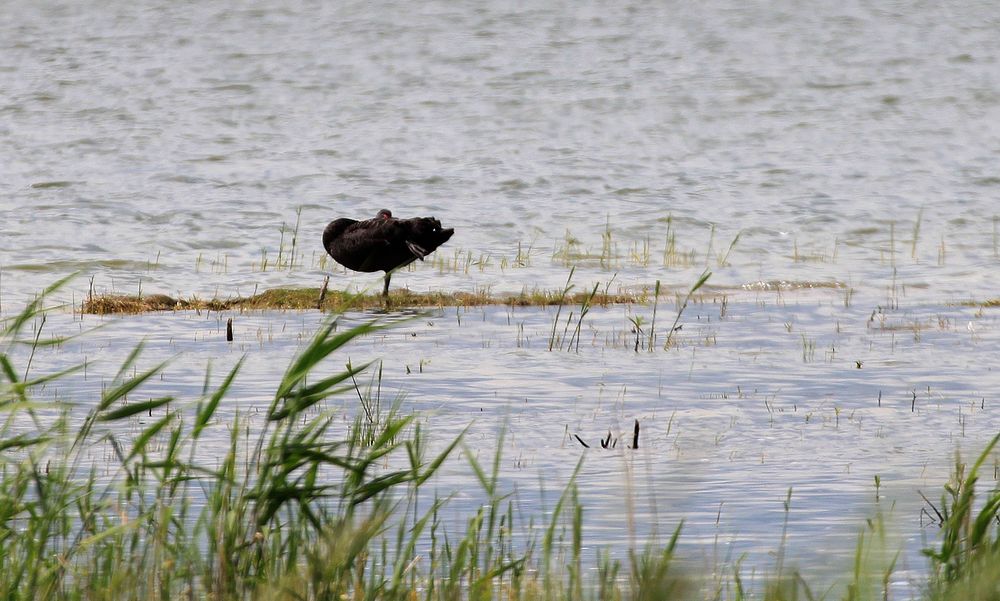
385, 291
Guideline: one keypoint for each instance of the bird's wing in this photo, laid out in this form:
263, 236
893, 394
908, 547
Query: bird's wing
361, 249
416, 249
373, 250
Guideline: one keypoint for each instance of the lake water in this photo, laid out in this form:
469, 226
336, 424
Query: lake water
852, 148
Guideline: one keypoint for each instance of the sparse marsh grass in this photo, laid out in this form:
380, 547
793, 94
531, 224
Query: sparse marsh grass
586, 301
808, 349
812, 256
672, 255
288, 256
665, 243
571, 252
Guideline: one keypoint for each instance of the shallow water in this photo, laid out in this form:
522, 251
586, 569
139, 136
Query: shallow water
738, 414
853, 148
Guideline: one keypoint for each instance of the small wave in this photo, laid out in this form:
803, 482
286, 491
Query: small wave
181, 179
823, 85
54, 184
212, 158
235, 87
791, 285
514, 184
81, 265
434, 179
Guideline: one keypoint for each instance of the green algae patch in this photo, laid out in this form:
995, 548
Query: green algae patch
337, 300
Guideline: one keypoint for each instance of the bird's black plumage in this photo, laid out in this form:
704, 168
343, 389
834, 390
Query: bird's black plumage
383, 243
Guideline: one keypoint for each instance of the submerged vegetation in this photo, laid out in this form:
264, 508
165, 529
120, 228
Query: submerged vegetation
301, 504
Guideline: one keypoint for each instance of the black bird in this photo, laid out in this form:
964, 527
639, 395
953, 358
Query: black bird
383, 243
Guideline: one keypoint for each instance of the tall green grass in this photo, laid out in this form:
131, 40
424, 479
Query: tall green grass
292, 507
300, 506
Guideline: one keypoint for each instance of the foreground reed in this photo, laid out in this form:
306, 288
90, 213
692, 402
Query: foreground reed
300, 507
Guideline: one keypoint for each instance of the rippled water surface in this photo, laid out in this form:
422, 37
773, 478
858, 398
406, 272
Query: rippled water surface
835, 166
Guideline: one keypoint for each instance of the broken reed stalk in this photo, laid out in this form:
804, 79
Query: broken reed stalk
607, 441
322, 292
916, 233
295, 237
611, 441
652, 323
281, 244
